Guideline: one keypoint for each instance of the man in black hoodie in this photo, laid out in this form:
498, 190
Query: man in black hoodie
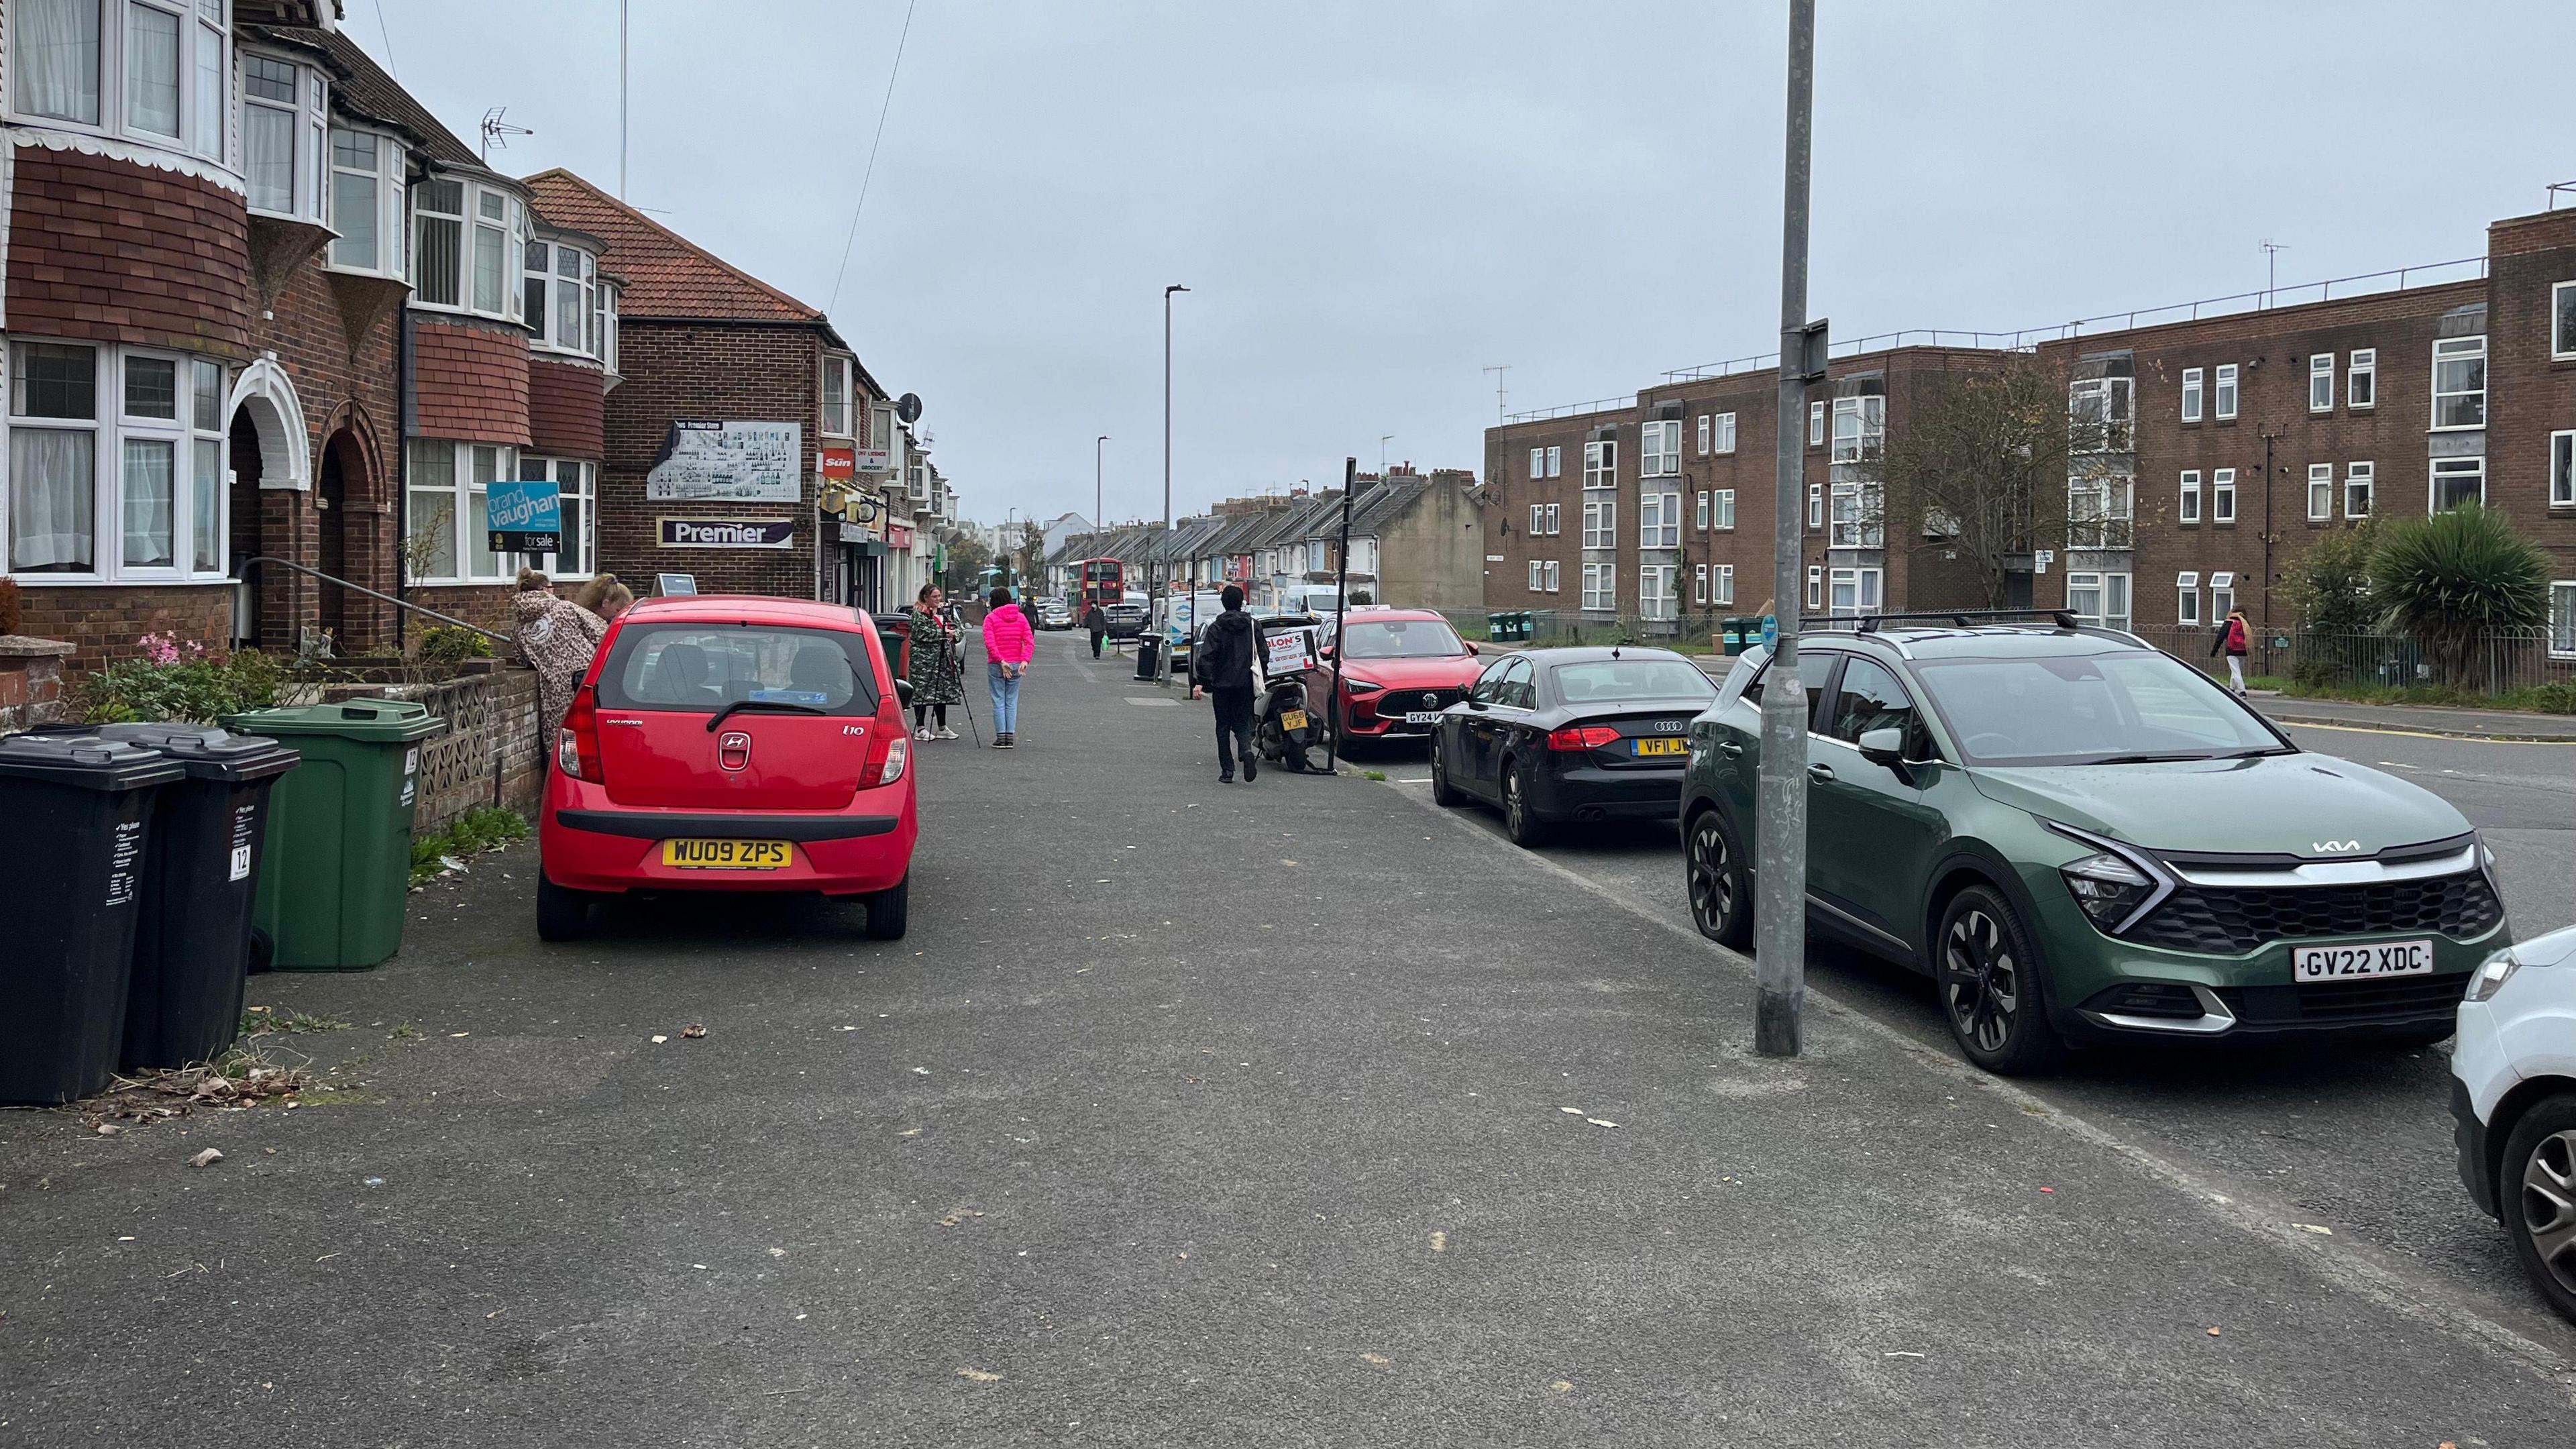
1222, 664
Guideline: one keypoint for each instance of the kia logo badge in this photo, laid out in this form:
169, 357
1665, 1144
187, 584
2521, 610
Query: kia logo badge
733, 750
2336, 847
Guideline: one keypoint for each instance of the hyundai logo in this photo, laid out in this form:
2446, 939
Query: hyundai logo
733, 750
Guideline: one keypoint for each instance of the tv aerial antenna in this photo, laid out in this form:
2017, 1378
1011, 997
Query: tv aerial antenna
497, 132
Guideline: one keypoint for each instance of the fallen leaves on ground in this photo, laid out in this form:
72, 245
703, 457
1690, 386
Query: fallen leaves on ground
959, 1215
977, 1375
207, 1158
692, 1032
242, 1078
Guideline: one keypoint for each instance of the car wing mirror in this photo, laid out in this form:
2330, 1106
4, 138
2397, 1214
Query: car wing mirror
903, 692
1883, 746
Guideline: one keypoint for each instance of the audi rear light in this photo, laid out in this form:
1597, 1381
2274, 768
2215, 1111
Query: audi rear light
577, 743
1582, 737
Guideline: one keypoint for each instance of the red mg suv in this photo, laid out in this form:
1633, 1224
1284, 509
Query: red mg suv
731, 744
1400, 668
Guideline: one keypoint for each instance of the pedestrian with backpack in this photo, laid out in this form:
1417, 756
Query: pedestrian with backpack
2235, 637
1009, 644
1223, 664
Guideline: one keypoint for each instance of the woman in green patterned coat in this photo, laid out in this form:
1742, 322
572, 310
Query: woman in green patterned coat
937, 672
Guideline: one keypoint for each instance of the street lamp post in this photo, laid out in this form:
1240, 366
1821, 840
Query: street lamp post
1099, 514
1163, 565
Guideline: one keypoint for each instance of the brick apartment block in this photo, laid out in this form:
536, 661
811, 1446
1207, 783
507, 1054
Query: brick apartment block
2243, 440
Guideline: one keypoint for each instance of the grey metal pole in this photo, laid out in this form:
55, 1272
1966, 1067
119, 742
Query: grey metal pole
1098, 507
1341, 608
1162, 570
1780, 815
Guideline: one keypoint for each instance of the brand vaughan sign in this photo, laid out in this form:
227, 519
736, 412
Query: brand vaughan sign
728, 532
523, 516
704, 460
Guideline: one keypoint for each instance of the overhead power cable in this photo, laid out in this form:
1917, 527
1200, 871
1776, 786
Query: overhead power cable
871, 173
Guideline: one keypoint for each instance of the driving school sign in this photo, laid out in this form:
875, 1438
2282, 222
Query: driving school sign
523, 516
728, 532
704, 460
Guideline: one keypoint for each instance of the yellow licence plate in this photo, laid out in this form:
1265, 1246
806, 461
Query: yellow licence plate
727, 854
1292, 719
1663, 747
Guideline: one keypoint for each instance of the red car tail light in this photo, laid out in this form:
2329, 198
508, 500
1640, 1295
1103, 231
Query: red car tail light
1582, 737
888, 753
577, 743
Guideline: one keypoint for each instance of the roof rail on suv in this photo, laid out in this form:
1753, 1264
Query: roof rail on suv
2062, 620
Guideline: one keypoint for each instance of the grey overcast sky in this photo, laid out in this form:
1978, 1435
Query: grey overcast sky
1373, 200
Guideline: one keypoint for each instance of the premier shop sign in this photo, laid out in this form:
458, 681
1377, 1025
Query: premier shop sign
728, 532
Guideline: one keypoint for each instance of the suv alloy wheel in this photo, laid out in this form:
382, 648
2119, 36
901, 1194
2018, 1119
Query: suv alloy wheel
1720, 895
1989, 975
2537, 1195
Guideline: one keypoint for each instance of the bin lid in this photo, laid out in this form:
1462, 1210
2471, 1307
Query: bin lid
207, 751
389, 720
84, 761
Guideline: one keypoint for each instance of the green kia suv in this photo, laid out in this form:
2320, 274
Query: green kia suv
2080, 838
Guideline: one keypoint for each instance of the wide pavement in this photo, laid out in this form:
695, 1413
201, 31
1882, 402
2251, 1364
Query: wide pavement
1284, 1114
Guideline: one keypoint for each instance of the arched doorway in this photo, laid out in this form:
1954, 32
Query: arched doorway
270, 476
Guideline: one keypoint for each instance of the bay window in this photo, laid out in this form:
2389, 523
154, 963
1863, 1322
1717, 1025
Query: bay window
1858, 520
1601, 464
562, 297
604, 341
122, 443
1600, 522
454, 268
366, 201
491, 247
1660, 449
438, 241
1860, 428
445, 541
577, 485
284, 133
2460, 383
151, 70
2101, 412
152, 45
839, 407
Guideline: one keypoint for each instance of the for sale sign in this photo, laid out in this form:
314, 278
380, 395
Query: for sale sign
728, 532
524, 515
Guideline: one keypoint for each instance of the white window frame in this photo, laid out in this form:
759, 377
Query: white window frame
1725, 429
2222, 495
2222, 596
2361, 380
1556, 461
1601, 587
2562, 618
2321, 381
1659, 519
1723, 584
1858, 519
2460, 352
2191, 394
1600, 518
843, 421
579, 494
2223, 398
1853, 592
1722, 517
2115, 400
1659, 448
204, 33
2562, 469
1816, 424
1601, 463
1703, 434
2320, 492
1658, 591
1555, 578
1815, 587
392, 216
1815, 507
2107, 587
2562, 321
1555, 519
1860, 428
2436, 472
1538, 464
2187, 598
308, 122
510, 227
2189, 509
2360, 481
465, 496
197, 425
1699, 512
1535, 574
1537, 519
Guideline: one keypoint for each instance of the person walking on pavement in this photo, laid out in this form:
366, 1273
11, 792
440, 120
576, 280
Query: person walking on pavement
2234, 637
1223, 664
558, 637
937, 668
1097, 621
1009, 643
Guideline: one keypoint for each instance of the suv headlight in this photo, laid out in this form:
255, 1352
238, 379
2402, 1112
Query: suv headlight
2493, 974
2107, 887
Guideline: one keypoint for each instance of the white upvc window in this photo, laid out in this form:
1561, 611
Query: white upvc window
2459, 383
561, 300
1815, 587
1659, 520
2102, 414
2100, 599
840, 401
1555, 581
1722, 584
1699, 584
604, 343
2187, 598
285, 127
577, 484
2321, 373
1555, 518
2191, 390
445, 541
1857, 521
2562, 321
1860, 429
2562, 470
2359, 480
1722, 510
1538, 463
151, 71
2320, 492
1703, 434
1700, 516
2188, 501
1536, 575
1858, 591
366, 202
1724, 426
2361, 380
2456, 481
1659, 453
1815, 506
2562, 619
1556, 462
117, 464
2224, 403
1601, 586
2222, 496
1600, 520
2222, 596
1659, 591
1538, 519
1815, 425
2101, 509
468, 245
1601, 464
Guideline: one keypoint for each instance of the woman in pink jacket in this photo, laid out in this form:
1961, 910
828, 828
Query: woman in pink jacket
1008, 644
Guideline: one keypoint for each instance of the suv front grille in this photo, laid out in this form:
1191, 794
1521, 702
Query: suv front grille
2398, 998
2231, 921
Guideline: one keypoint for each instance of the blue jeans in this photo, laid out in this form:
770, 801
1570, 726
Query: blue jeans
1006, 698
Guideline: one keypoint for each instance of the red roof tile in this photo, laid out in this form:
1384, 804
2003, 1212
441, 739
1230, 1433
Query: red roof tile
666, 274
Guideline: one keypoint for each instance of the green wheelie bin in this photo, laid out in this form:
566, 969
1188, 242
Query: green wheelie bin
337, 867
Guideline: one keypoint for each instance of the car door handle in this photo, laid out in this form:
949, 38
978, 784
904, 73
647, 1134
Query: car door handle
1820, 771
1730, 747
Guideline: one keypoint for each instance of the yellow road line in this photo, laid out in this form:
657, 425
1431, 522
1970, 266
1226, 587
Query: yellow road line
2300, 724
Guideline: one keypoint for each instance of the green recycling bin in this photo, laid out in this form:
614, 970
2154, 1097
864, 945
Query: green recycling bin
337, 866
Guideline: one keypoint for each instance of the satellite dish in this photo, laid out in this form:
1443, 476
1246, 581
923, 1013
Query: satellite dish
908, 407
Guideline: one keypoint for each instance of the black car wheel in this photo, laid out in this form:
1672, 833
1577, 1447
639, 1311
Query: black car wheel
1442, 792
1988, 973
2538, 1198
1721, 896
562, 915
890, 912
1519, 822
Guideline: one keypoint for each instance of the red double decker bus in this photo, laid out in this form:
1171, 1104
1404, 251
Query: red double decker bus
1101, 581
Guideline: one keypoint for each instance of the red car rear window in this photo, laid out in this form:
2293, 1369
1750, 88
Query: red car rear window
687, 667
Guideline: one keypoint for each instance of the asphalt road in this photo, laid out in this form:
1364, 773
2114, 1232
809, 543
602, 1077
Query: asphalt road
1297, 1113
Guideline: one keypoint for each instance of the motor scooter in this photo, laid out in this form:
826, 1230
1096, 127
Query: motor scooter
1286, 728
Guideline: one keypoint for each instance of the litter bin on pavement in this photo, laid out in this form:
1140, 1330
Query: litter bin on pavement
1148, 650
192, 947
78, 813
338, 865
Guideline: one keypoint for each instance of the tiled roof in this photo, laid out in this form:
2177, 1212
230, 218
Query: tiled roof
666, 274
361, 87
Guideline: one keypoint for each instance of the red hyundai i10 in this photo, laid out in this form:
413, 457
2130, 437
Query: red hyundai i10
731, 744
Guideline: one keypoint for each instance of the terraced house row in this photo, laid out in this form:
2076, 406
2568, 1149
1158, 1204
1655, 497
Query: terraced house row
2214, 443
260, 304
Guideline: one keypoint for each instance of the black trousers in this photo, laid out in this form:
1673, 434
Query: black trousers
1096, 637
1233, 726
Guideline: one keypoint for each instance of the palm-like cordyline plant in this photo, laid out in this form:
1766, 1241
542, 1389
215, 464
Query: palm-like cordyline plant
2451, 579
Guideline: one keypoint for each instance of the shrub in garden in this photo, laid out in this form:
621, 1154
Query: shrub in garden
447, 644
2450, 579
175, 679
